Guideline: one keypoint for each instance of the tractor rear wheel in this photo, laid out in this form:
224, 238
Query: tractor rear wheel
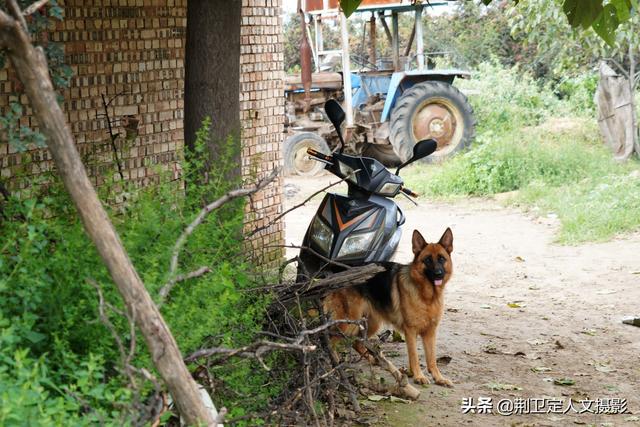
296, 159
434, 110
383, 153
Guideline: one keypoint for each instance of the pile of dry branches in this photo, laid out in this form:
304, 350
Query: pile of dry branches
320, 387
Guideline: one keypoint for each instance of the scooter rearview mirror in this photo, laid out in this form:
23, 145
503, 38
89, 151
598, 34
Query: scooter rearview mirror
421, 150
336, 115
335, 112
424, 148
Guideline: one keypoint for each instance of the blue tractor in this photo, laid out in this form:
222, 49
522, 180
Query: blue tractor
390, 104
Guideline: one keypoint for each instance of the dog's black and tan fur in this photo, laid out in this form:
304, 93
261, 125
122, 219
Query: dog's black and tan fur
409, 297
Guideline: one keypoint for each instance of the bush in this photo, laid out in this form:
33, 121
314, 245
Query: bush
58, 363
506, 162
580, 92
504, 99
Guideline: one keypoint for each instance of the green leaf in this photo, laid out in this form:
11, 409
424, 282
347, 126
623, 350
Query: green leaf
623, 9
582, 12
349, 6
399, 399
606, 24
538, 369
501, 387
34, 337
376, 397
564, 381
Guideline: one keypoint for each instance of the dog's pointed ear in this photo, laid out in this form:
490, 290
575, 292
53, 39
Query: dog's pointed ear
446, 241
417, 242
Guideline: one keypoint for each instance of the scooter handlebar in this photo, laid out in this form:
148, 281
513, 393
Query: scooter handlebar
408, 192
319, 155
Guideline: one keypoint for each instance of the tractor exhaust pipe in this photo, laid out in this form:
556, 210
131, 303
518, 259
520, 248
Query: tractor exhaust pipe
305, 60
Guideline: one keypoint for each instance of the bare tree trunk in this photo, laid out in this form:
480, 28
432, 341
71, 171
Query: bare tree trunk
31, 66
212, 71
616, 111
632, 89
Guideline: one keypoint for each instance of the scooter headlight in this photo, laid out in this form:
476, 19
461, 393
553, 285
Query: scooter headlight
389, 189
356, 243
348, 171
321, 234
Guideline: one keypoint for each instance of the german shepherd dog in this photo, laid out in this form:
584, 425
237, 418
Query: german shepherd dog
408, 297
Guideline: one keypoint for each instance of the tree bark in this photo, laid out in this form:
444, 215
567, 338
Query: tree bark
32, 70
212, 71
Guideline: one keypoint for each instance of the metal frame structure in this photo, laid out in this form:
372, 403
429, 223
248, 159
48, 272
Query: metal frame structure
317, 16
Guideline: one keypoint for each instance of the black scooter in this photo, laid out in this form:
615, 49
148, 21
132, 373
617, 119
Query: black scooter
365, 225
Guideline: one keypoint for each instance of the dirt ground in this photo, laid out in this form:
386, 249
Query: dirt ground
521, 312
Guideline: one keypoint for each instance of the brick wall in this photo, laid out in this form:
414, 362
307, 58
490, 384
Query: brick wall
135, 49
262, 115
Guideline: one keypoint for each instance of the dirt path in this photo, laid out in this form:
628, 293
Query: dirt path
564, 322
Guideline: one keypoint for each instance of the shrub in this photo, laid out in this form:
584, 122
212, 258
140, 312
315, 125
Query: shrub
579, 91
56, 359
504, 99
507, 162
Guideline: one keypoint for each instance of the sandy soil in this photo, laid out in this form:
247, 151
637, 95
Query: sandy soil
564, 321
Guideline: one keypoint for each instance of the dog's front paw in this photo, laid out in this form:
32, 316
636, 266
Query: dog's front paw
421, 379
445, 382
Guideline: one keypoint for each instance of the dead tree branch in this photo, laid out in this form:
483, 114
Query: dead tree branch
33, 7
257, 349
402, 387
299, 205
254, 350
290, 293
145, 412
112, 136
182, 239
314, 252
15, 11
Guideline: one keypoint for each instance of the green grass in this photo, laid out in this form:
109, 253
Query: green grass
547, 151
595, 209
567, 172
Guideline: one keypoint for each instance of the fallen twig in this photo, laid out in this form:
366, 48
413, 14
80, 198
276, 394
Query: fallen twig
402, 388
254, 350
258, 348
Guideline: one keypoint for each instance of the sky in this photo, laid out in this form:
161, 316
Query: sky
289, 6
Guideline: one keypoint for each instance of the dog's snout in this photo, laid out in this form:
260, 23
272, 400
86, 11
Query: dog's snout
439, 272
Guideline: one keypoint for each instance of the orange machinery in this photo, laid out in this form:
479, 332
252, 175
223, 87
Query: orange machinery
314, 5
